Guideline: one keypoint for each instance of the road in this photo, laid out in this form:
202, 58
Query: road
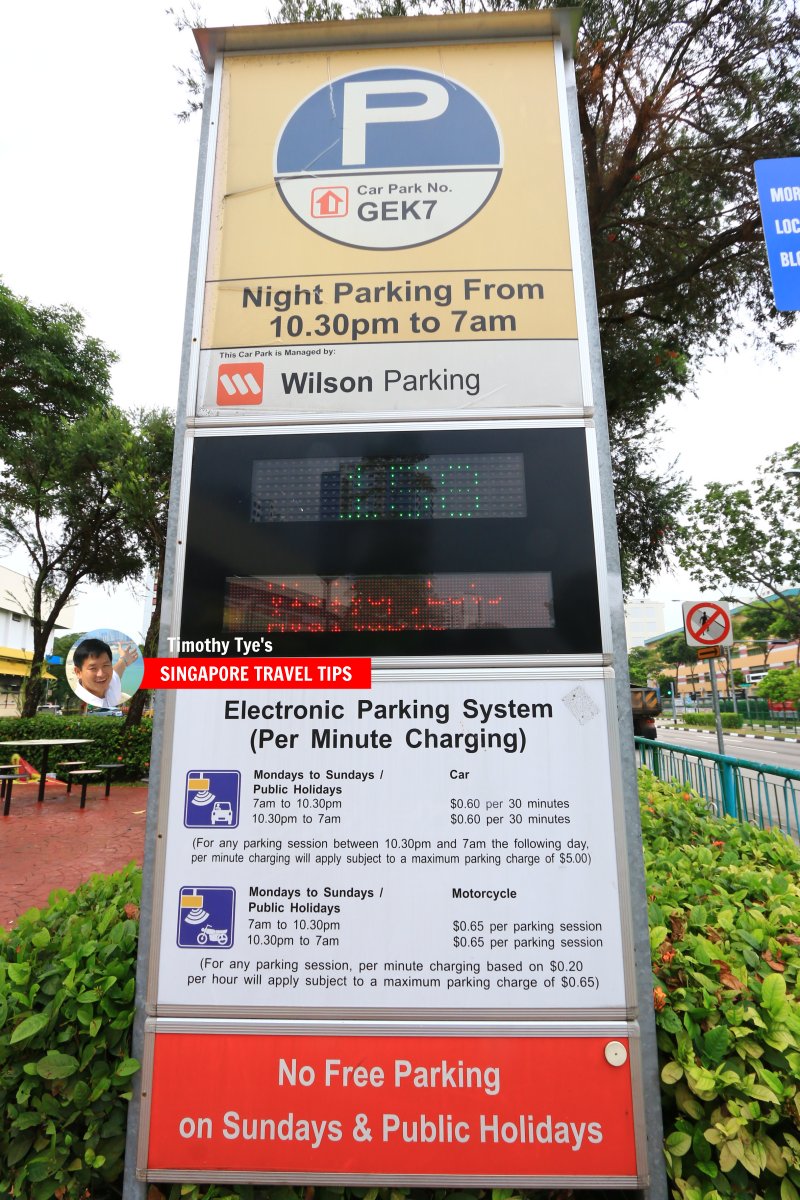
767, 799
772, 754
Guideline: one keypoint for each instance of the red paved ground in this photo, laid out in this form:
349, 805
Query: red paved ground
56, 845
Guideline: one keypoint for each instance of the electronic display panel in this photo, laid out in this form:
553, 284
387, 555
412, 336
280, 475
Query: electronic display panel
445, 487
389, 603
387, 542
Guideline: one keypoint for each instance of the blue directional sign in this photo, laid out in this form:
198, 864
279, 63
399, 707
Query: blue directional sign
778, 182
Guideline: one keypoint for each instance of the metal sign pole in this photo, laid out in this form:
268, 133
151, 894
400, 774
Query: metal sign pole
133, 1188
715, 701
731, 680
657, 1188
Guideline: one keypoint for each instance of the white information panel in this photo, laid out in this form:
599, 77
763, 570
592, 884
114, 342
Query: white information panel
282, 380
425, 845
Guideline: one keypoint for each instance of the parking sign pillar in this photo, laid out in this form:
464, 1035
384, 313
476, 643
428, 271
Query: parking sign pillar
657, 1188
442, 399
133, 1186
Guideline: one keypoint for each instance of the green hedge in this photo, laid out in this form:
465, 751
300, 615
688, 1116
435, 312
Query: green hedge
66, 1008
724, 909
111, 741
705, 720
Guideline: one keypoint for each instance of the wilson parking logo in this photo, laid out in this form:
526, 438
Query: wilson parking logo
240, 383
388, 158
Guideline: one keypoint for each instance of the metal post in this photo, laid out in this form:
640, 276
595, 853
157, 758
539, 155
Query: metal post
133, 1188
731, 681
658, 1188
728, 780
715, 701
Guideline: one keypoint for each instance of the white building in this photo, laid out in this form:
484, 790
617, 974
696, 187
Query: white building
16, 634
644, 619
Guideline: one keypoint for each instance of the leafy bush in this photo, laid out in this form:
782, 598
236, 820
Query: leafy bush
724, 908
111, 741
66, 1009
705, 720
780, 684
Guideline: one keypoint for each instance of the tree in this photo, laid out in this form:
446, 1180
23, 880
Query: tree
744, 542
49, 366
676, 101
59, 498
643, 664
61, 692
144, 494
780, 686
674, 652
763, 625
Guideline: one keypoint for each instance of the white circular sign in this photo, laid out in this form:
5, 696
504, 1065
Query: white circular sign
388, 158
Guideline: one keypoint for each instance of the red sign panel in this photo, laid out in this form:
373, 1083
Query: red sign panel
240, 383
455, 1108
246, 673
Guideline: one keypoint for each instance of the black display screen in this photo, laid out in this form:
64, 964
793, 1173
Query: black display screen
432, 487
388, 603
423, 542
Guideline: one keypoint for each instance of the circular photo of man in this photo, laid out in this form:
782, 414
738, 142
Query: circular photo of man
104, 669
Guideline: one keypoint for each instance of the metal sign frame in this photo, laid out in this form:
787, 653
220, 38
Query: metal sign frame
559, 27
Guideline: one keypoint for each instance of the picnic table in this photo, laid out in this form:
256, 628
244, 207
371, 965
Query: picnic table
45, 743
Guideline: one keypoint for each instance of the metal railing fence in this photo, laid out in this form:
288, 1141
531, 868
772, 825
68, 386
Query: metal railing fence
736, 787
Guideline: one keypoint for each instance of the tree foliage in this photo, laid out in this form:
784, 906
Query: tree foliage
780, 686
84, 489
676, 102
763, 625
61, 692
643, 665
60, 500
674, 652
49, 365
676, 99
743, 541
144, 491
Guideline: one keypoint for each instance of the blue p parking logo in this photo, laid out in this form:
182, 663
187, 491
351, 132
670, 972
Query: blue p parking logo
388, 158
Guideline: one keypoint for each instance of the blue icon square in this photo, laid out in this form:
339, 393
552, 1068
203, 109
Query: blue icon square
212, 800
205, 917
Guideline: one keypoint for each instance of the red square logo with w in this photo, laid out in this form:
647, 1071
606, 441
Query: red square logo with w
240, 383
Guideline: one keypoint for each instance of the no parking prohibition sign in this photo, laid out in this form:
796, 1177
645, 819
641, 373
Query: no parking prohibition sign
707, 623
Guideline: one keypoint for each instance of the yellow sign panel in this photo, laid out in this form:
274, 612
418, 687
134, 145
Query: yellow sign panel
416, 306
391, 194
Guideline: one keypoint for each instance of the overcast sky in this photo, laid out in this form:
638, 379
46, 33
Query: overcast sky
96, 209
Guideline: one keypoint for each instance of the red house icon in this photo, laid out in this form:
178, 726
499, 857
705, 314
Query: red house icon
329, 201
